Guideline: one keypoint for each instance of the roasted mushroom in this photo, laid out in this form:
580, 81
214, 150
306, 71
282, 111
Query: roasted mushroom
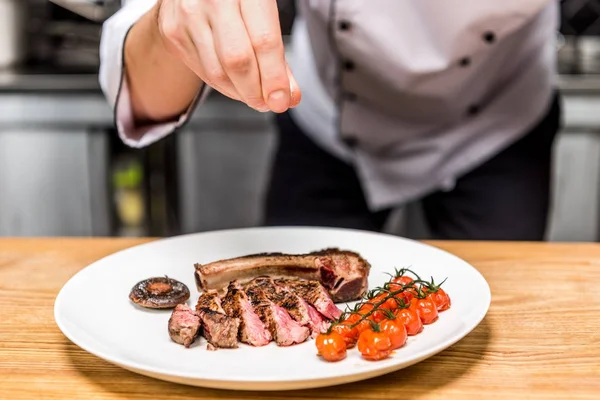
160, 292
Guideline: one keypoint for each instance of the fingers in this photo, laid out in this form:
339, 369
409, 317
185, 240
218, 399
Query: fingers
235, 46
209, 67
234, 51
181, 42
262, 24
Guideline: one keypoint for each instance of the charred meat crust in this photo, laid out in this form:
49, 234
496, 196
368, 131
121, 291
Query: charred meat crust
210, 300
262, 308
300, 310
286, 299
314, 294
237, 305
219, 329
284, 310
284, 330
343, 273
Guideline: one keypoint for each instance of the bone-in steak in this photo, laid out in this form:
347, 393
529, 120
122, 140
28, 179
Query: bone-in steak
344, 274
313, 293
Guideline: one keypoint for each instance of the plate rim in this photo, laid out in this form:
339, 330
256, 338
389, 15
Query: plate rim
254, 383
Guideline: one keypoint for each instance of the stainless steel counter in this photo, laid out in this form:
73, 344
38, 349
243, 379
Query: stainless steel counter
579, 84
35, 80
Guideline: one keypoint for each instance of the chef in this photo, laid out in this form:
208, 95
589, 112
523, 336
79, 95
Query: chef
381, 102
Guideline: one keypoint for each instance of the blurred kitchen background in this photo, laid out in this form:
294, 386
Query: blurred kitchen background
64, 172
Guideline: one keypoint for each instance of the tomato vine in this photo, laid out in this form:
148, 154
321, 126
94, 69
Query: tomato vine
404, 300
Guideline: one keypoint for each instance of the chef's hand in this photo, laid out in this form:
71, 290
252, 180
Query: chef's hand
234, 46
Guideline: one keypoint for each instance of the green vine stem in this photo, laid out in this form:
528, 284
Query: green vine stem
417, 291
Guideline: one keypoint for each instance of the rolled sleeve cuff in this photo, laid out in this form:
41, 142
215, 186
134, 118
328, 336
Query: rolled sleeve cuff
142, 136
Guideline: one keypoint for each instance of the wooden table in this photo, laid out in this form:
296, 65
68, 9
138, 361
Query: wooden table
540, 339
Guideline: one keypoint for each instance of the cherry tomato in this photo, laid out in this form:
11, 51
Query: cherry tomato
375, 316
374, 345
351, 319
412, 291
426, 309
365, 308
440, 298
403, 280
399, 283
331, 346
389, 304
363, 325
350, 335
406, 294
405, 297
396, 331
411, 321
378, 316
394, 287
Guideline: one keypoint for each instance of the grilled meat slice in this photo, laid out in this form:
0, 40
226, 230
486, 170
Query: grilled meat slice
318, 323
286, 299
296, 306
219, 329
313, 293
284, 330
210, 300
184, 325
343, 273
251, 329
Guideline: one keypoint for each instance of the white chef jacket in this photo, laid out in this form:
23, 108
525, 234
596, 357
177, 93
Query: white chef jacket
412, 93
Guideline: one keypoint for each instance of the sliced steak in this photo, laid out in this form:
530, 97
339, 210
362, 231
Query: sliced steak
184, 325
296, 306
318, 323
315, 320
343, 273
283, 298
210, 300
219, 329
251, 329
284, 330
315, 294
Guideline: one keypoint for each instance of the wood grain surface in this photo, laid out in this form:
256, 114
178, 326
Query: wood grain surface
540, 339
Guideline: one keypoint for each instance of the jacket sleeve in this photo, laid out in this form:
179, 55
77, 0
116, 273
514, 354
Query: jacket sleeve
114, 84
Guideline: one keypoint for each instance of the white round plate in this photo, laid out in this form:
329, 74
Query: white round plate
93, 309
